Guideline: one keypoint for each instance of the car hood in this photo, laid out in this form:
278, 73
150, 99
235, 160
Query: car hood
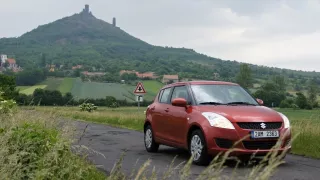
242, 113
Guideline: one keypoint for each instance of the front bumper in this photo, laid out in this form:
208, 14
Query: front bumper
239, 142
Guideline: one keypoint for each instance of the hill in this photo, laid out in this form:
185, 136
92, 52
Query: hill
100, 46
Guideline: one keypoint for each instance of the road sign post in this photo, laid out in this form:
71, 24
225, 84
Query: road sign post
139, 92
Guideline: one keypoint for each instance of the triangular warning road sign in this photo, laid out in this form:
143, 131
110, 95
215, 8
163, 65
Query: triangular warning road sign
139, 89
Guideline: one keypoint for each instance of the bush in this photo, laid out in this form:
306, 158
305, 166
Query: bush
114, 105
6, 106
33, 147
294, 106
88, 107
284, 104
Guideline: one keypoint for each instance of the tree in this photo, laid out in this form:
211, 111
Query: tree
244, 78
8, 87
77, 73
301, 100
269, 93
43, 60
313, 90
280, 82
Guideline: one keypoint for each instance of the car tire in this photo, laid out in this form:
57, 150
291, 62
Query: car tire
201, 158
150, 144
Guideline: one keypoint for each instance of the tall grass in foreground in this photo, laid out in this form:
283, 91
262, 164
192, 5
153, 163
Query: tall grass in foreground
34, 147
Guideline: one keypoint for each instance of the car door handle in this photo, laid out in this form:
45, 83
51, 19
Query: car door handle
167, 110
153, 108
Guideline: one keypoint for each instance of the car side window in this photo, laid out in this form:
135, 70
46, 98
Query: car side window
165, 95
160, 94
180, 92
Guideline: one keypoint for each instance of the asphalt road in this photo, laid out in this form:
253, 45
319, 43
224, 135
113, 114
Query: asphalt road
112, 142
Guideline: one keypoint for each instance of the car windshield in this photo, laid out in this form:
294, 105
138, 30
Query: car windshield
213, 94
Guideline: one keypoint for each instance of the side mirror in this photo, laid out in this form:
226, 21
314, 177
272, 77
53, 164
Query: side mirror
260, 101
181, 102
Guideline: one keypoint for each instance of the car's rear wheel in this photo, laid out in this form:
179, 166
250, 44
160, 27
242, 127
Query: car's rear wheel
149, 142
198, 148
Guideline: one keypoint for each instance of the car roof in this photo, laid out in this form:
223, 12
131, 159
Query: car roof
200, 82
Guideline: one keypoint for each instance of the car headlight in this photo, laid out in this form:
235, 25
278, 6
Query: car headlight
217, 120
285, 120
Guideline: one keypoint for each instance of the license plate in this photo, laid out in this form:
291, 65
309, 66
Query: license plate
264, 134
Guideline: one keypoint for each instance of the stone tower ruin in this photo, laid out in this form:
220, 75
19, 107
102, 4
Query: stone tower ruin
86, 9
114, 22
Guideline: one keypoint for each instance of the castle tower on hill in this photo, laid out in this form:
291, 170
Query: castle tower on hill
114, 22
86, 8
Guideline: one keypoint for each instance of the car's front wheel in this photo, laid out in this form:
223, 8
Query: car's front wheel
149, 142
198, 148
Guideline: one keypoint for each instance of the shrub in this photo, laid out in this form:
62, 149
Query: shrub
284, 104
6, 106
88, 107
33, 147
114, 105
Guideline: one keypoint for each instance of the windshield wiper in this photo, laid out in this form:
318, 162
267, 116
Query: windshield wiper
212, 103
240, 102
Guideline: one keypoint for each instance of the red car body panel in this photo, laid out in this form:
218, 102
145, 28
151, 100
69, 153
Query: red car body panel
171, 124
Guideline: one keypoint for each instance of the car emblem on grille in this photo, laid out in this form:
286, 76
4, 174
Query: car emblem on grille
263, 125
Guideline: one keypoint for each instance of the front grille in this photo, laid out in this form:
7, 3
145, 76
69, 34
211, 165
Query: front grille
259, 125
224, 143
262, 145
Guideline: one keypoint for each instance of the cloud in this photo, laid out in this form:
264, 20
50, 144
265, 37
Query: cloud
281, 33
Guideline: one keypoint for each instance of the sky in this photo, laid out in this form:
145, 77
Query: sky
276, 33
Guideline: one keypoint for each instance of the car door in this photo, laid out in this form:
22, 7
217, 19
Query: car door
178, 116
160, 117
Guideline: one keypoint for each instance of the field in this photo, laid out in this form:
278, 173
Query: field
62, 84
83, 90
305, 123
31, 89
66, 85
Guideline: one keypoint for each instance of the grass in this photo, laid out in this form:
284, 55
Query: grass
66, 85
21, 88
305, 123
52, 83
30, 90
152, 86
33, 146
83, 90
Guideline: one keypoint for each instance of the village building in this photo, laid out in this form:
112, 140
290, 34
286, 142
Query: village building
150, 75
93, 73
12, 64
170, 78
77, 67
3, 59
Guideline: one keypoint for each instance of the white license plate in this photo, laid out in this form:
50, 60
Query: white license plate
264, 134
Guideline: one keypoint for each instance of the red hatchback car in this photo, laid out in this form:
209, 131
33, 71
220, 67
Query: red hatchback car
209, 117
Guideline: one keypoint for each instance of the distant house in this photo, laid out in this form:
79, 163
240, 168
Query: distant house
93, 73
128, 72
3, 59
77, 67
51, 67
12, 64
150, 75
168, 78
